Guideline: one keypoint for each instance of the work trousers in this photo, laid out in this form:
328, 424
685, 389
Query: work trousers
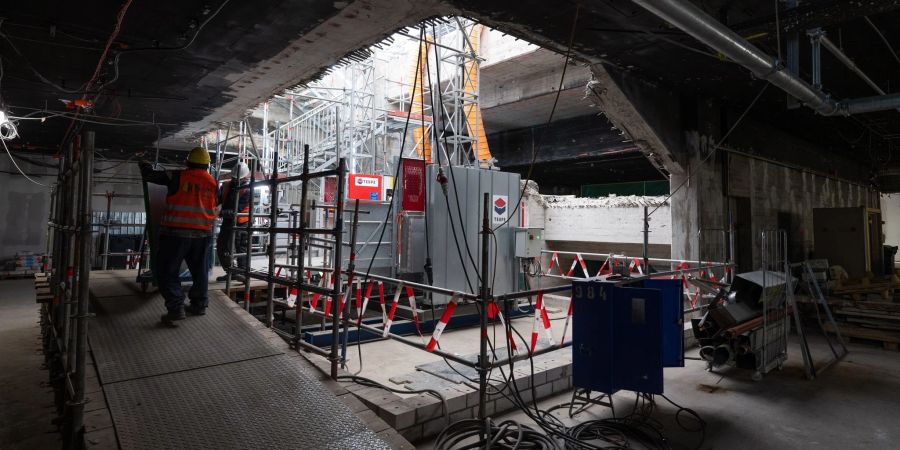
223, 242
172, 251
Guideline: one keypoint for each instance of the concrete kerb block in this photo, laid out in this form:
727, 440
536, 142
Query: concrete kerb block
398, 414
413, 433
544, 390
427, 407
434, 427
353, 403
467, 413
372, 421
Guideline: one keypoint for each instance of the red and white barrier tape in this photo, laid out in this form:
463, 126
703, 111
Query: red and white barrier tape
566, 326
390, 317
540, 320
365, 303
412, 305
578, 260
554, 261
439, 327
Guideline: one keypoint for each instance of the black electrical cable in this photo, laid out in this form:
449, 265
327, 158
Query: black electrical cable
372, 383
559, 89
509, 434
387, 216
440, 117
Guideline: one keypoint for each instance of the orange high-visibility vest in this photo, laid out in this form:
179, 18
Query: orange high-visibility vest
240, 220
194, 205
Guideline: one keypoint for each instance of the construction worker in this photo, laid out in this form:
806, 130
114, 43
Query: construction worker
185, 230
241, 173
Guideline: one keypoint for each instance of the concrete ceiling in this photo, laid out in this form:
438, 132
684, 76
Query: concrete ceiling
519, 92
251, 50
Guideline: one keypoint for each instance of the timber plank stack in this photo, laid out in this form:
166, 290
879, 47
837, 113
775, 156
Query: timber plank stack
42, 292
860, 289
874, 321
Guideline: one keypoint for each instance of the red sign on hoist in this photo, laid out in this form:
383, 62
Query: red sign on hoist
413, 176
364, 187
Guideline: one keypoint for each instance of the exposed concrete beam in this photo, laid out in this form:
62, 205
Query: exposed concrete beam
358, 25
646, 113
815, 14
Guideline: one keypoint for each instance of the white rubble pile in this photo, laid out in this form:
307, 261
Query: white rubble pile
612, 201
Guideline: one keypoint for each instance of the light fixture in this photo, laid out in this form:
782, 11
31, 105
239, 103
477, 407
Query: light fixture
7, 128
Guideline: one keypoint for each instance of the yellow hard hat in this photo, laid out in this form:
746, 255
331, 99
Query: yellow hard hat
198, 155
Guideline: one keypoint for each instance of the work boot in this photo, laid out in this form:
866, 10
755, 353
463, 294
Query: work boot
222, 278
195, 310
171, 317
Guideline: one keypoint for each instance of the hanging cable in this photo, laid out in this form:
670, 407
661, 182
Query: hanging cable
559, 89
715, 147
3, 141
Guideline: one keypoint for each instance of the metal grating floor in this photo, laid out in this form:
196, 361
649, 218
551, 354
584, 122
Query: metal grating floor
271, 402
129, 341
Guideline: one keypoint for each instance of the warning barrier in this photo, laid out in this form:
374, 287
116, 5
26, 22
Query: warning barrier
442, 323
541, 320
390, 317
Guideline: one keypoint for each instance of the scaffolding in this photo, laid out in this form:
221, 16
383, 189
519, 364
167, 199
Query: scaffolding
64, 321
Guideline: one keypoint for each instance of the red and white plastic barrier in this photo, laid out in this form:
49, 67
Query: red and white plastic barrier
541, 320
635, 266
494, 311
439, 327
412, 305
390, 317
554, 262
578, 260
566, 326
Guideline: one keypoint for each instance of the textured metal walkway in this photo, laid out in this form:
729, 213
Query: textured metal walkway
216, 381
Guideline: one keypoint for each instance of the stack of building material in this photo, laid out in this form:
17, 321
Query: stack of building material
23, 264
875, 321
28, 261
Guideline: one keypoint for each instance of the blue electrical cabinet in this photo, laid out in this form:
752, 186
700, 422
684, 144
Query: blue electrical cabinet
671, 295
623, 336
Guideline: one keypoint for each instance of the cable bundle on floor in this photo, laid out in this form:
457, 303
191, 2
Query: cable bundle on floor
509, 434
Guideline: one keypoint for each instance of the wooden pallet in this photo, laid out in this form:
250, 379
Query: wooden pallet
42, 291
890, 340
859, 289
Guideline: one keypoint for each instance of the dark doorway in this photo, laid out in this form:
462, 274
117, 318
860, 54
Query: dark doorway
743, 234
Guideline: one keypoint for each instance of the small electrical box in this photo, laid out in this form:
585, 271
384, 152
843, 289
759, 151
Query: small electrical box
529, 242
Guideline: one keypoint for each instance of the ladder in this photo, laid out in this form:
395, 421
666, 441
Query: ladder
835, 343
336, 233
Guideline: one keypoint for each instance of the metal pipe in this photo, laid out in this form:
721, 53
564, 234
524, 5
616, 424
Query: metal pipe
273, 219
403, 340
872, 104
483, 364
694, 21
248, 258
84, 273
304, 192
351, 267
336, 295
845, 60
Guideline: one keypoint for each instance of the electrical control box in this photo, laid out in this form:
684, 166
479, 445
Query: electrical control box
529, 242
623, 335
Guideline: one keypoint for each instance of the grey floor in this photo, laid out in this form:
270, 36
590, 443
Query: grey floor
855, 404
26, 402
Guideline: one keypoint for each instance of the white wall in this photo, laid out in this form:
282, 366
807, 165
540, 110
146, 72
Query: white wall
24, 208
591, 220
890, 215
